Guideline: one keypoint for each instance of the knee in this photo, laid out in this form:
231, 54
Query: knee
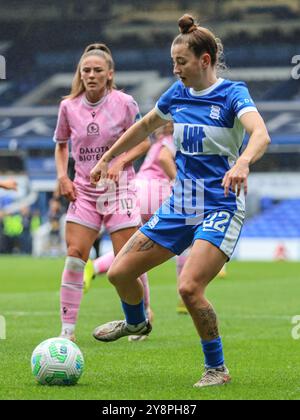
186, 291
75, 253
190, 289
114, 274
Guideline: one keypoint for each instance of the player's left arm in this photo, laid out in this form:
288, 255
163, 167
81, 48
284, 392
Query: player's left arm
127, 158
135, 135
259, 140
9, 184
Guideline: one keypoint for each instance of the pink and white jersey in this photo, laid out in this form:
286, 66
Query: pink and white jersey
151, 168
92, 130
152, 182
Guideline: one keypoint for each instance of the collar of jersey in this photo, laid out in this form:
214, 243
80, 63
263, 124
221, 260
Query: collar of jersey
206, 91
93, 105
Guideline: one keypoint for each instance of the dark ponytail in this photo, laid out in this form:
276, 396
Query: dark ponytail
200, 40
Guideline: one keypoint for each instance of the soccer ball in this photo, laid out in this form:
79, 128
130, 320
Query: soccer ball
57, 361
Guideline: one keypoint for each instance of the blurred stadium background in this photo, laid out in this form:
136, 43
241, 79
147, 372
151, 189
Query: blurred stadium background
40, 44
42, 41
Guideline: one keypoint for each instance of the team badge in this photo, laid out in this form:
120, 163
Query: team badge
215, 112
93, 129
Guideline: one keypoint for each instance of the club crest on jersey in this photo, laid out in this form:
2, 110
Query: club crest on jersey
215, 112
93, 129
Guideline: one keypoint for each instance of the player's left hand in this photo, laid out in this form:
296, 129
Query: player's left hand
236, 178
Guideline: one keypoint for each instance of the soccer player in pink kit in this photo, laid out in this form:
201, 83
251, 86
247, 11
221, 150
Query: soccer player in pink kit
93, 117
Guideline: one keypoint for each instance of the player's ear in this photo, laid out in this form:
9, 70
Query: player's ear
205, 60
110, 74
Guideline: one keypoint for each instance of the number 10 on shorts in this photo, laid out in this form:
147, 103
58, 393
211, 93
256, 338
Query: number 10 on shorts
126, 204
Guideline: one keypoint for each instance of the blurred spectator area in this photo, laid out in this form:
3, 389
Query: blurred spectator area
12, 162
36, 28
265, 84
277, 219
150, 10
40, 39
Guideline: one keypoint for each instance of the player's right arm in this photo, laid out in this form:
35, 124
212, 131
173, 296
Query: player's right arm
61, 136
131, 138
66, 186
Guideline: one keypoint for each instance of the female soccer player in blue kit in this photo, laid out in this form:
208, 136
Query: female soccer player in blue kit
210, 116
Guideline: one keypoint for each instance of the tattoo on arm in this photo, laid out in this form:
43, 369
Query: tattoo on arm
209, 323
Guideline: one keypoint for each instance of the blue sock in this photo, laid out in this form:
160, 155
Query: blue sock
213, 352
134, 314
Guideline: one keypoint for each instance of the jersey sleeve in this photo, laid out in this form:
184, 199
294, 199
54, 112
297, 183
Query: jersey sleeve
240, 99
163, 105
62, 132
133, 113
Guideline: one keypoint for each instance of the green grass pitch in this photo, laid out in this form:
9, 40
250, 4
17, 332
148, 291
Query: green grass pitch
255, 304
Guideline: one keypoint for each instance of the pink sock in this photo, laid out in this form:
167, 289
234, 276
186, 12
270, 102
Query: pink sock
71, 290
144, 280
102, 264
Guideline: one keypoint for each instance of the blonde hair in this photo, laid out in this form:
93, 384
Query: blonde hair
98, 50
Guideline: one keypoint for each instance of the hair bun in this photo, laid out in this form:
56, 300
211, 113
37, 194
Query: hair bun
187, 24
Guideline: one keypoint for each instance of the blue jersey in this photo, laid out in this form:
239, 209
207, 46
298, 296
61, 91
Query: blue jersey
208, 136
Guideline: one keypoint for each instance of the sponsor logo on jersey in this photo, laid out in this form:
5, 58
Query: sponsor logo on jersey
193, 138
180, 109
247, 101
89, 154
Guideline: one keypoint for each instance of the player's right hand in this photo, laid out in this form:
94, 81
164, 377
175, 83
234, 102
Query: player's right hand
99, 172
67, 188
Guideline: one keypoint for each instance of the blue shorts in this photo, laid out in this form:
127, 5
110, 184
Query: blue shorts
220, 227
